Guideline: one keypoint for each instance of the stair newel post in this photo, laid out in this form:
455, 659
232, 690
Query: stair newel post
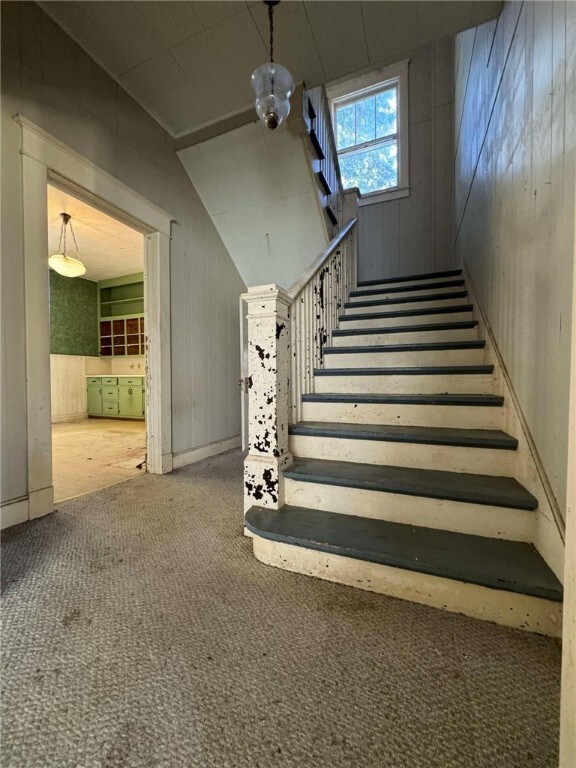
268, 396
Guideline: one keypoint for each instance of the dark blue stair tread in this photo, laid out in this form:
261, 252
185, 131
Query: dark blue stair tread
408, 313
430, 346
405, 288
437, 399
429, 483
404, 278
411, 371
511, 566
463, 325
407, 299
474, 438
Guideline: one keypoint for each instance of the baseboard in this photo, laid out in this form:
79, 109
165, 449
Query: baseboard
205, 451
549, 534
13, 513
69, 418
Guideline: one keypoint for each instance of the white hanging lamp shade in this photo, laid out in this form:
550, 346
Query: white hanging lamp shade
65, 265
272, 83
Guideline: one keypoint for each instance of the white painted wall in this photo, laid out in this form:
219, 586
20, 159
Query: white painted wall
515, 123
257, 186
69, 96
414, 234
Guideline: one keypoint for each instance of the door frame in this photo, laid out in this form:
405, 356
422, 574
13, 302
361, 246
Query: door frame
46, 160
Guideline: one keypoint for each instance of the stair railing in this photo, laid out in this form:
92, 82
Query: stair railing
286, 335
317, 300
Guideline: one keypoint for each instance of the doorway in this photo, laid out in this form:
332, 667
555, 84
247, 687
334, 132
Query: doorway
97, 349
45, 160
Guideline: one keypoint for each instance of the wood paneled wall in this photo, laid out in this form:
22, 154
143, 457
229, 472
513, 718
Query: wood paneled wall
68, 387
515, 124
415, 233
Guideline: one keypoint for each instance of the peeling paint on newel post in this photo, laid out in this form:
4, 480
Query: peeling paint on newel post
268, 395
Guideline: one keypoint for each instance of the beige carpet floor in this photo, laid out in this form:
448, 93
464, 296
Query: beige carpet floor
139, 632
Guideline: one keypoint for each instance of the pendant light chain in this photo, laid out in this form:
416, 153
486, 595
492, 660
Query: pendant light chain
74, 238
62, 242
271, 19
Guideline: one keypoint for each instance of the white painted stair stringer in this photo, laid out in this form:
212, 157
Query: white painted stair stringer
529, 470
507, 608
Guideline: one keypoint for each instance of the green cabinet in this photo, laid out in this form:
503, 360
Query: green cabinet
116, 396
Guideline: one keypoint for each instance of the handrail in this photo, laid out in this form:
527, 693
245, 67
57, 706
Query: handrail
304, 279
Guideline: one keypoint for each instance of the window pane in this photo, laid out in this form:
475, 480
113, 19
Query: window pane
365, 120
345, 127
372, 169
386, 113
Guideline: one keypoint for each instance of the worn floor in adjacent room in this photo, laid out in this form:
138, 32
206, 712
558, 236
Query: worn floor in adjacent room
95, 453
140, 632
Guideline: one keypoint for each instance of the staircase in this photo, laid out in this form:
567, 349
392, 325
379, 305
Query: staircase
402, 480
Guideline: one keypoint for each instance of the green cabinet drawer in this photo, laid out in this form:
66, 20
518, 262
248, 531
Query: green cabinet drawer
95, 381
109, 393
113, 380
110, 408
135, 381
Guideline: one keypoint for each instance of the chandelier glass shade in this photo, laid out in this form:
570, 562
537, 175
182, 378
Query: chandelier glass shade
67, 266
272, 83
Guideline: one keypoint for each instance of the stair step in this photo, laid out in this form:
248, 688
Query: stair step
407, 313
405, 288
422, 347
475, 438
464, 324
404, 399
435, 297
406, 278
498, 564
430, 370
430, 483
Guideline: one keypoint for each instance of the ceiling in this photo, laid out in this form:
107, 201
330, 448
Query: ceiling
107, 247
189, 63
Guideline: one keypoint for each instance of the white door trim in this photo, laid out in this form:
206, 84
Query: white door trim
45, 158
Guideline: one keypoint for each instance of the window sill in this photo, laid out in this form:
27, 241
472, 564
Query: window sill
383, 197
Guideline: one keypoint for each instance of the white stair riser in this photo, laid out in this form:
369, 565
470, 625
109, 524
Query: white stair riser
506, 608
406, 337
394, 322
450, 458
407, 283
457, 416
392, 294
415, 358
457, 516
472, 384
420, 305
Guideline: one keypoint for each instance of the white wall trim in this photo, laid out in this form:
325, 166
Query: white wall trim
383, 196
205, 451
13, 513
45, 158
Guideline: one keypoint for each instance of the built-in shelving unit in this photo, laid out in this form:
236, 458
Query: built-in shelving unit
121, 316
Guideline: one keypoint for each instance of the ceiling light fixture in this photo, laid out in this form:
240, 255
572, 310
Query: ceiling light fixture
273, 83
59, 262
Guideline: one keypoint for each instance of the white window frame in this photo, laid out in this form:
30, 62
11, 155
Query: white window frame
367, 85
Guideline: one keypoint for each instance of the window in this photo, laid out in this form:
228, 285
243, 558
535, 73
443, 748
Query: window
370, 132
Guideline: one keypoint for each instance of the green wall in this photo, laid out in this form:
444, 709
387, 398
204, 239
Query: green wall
73, 316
